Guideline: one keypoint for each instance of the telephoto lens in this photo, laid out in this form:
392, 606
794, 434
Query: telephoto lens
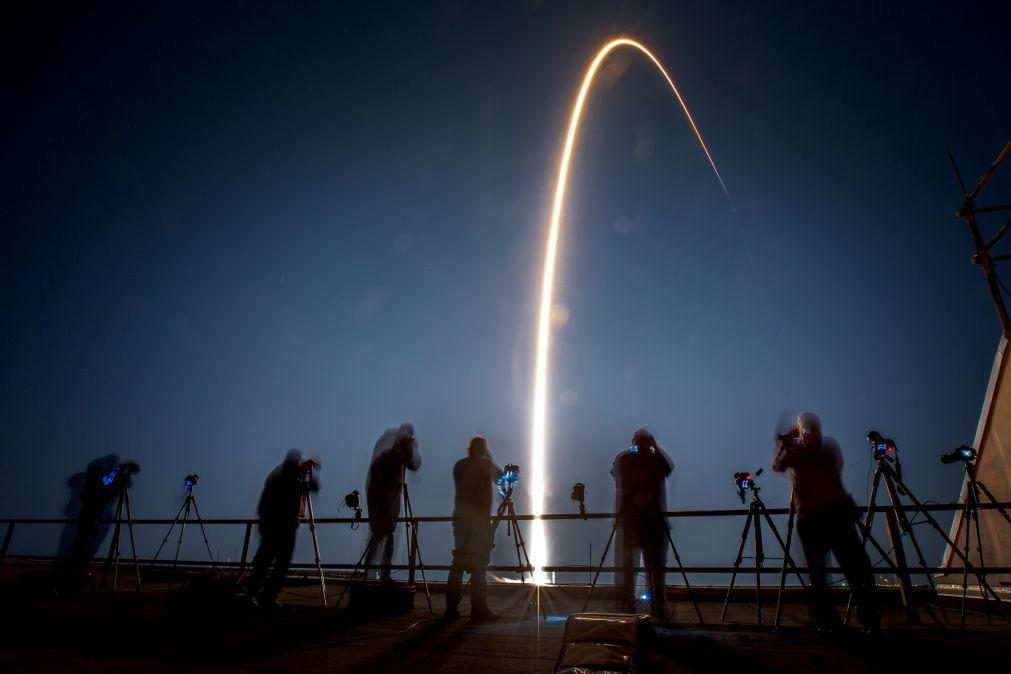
963, 453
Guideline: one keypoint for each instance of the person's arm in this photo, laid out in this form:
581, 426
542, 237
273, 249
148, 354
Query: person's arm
667, 462
785, 455
414, 461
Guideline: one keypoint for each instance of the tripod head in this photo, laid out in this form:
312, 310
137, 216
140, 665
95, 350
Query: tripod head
745, 482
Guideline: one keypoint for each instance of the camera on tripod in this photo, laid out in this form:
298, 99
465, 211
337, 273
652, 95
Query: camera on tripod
508, 479
353, 501
579, 496
190, 481
964, 453
745, 482
884, 448
306, 467
125, 469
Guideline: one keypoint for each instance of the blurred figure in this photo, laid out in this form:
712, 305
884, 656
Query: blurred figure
395, 452
826, 520
99, 488
640, 473
279, 510
474, 477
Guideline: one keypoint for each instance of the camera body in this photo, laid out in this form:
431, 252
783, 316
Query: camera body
191, 480
884, 448
353, 501
745, 482
125, 469
508, 479
964, 453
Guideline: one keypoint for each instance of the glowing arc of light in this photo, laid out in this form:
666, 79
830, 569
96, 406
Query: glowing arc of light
538, 431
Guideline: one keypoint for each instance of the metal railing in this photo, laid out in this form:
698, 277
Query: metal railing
13, 523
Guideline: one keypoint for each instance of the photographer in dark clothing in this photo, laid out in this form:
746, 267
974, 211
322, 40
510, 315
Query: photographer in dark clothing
826, 520
472, 530
640, 473
395, 452
279, 510
104, 480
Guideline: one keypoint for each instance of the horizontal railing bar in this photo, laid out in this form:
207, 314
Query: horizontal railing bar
558, 568
727, 512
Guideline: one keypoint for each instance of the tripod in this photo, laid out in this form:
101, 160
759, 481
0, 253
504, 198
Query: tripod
756, 513
122, 505
677, 558
414, 547
306, 506
897, 524
970, 516
190, 504
507, 511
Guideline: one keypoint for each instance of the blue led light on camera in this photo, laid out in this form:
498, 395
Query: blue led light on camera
506, 481
110, 477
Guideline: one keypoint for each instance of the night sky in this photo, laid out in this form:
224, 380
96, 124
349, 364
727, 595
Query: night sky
232, 229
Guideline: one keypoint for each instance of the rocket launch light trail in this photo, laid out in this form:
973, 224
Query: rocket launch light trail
538, 431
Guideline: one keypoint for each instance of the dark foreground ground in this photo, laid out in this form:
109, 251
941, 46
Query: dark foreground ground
161, 631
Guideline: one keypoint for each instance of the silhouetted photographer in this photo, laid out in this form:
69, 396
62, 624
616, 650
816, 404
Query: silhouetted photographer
103, 482
395, 452
279, 510
640, 479
474, 477
826, 520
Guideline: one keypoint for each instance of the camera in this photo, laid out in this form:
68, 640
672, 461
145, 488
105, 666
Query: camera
964, 453
125, 469
307, 466
508, 479
791, 439
191, 480
884, 448
353, 501
746, 482
579, 496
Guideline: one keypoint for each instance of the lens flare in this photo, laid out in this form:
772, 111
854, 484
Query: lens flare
539, 425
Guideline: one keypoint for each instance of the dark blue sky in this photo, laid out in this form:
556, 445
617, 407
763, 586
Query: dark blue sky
233, 229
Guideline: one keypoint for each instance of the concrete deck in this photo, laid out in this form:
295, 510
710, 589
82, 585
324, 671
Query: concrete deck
159, 631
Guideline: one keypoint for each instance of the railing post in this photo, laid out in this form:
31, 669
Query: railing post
7, 541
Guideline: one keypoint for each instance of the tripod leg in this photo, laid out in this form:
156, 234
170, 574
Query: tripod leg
182, 530
603, 558
514, 529
207, 544
737, 562
985, 586
786, 559
684, 575
415, 543
923, 563
759, 562
896, 523
522, 545
994, 501
133, 540
368, 551
169, 532
979, 550
865, 530
315, 546
113, 559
